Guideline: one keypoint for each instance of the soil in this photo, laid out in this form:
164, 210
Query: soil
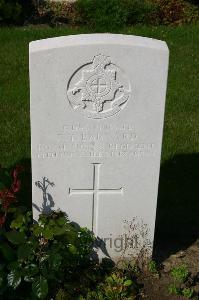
156, 287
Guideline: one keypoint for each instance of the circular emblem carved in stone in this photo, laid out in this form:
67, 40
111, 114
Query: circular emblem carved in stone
98, 89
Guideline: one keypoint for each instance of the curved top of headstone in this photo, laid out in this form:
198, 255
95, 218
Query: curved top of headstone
99, 38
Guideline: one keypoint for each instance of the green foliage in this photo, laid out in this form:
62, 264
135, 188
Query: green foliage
39, 256
180, 275
15, 11
15, 237
113, 13
101, 14
115, 287
14, 279
10, 12
188, 292
40, 287
45, 253
61, 295
152, 267
173, 290
185, 292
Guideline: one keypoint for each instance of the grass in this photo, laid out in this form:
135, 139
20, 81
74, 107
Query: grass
182, 110
178, 203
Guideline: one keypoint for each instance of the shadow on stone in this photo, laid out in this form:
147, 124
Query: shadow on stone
177, 220
48, 202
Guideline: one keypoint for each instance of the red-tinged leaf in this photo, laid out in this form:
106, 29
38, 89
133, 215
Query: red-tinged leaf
7, 198
17, 170
2, 219
16, 186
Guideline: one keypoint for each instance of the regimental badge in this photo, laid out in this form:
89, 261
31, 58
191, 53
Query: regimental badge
99, 89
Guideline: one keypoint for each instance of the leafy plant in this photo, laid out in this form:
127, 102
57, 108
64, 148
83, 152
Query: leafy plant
36, 256
173, 290
10, 12
15, 11
9, 187
115, 286
43, 254
180, 273
121, 13
188, 292
180, 276
185, 292
152, 267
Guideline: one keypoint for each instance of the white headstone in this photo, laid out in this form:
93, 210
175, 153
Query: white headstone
97, 110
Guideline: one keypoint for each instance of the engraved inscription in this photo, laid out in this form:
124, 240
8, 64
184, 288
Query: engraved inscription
95, 191
78, 140
99, 89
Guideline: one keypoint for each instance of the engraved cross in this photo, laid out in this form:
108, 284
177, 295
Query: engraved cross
95, 192
98, 85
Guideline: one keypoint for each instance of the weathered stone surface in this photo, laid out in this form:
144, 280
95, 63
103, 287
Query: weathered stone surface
97, 110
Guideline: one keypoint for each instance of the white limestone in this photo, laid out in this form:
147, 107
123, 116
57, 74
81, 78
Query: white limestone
97, 110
